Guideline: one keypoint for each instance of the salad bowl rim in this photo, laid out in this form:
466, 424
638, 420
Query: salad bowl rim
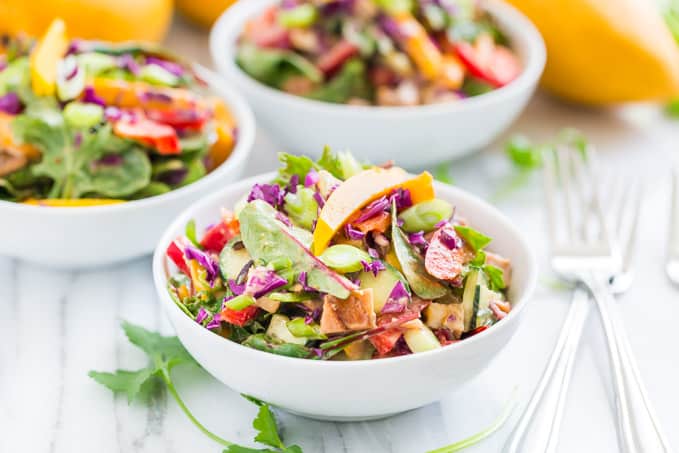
445, 191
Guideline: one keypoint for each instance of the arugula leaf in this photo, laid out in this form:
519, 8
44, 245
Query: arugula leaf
350, 82
273, 66
475, 239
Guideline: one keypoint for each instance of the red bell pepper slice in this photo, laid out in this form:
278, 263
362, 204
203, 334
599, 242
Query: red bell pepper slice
471, 333
161, 137
238, 317
219, 235
331, 61
265, 31
192, 119
385, 342
496, 65
175, 253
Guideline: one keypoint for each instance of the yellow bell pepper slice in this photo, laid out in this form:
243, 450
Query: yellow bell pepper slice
46, 56
359, 190
419, 47
224, 128
66, 203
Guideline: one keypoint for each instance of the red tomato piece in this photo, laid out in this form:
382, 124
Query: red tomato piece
159, 136
219, 235
265, 30
175, 253
238, 317
497, 65
471, 333
385, 342
336, 57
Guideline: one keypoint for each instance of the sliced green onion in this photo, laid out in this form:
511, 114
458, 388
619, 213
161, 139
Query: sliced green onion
190, 232
280, 263
424, 216
478, 437
81, 115
240, 302
299, 328
301, 16
290, 297
344, 258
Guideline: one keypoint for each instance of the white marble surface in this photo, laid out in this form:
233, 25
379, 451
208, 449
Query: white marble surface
55, 326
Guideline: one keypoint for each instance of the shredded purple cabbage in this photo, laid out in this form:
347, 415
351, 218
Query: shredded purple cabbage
214, 323
169, 66
262, 281
417, 238
375, 266
284, 219
373, 253
10, 103
302, 279
402, 198
450, 239
270, 193
173, 177
319, 199
128, 62
201, 315
398, 299
110, 160
90, 96
441, 224
292, 185
112, 113
353, 233
311, 178
205, 260
235, 287
374, 208
156, 96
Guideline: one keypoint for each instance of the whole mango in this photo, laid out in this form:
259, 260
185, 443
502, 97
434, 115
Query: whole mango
203, 13
602, 52
109, 20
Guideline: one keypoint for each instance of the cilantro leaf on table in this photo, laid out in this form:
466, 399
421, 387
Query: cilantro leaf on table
442, 173
164, 353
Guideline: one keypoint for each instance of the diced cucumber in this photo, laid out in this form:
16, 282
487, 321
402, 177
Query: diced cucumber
420, 338
476, 300
278, 329
344, 258
81, 115
232, 260
157, 75
381, 284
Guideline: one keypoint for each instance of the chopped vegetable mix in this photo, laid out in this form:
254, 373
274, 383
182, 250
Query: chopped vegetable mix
82, 122
377, 52
301, 269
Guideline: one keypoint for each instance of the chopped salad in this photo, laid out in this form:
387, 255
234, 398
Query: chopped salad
340, 260
377, 52
85, 122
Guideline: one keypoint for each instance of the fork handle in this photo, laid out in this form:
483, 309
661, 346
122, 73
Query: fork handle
538, 428
638, 428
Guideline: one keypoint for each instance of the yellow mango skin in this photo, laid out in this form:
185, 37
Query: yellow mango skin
108, 20
604, 52
203, 13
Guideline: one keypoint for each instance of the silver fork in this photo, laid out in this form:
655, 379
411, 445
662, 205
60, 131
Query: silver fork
587, 255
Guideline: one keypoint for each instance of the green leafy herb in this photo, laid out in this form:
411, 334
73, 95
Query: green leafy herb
495, 277
475, 239
267, 344
293, 165
164, 354
672, 108
523, 153
190, 232
442, 173
349, 83
330, 163
478, 437
273, 66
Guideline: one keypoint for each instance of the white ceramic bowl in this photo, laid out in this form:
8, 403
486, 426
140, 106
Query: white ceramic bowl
412, 136
359, 389
100, 235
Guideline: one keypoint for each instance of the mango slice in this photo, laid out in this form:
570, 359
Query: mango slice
359, 190
64, 203
45, 57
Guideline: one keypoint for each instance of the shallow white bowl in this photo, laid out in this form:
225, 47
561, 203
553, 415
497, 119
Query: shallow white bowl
359, 389
412, 136
100, 235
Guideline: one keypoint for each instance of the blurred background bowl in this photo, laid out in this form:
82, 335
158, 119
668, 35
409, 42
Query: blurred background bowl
413, 136
76, 237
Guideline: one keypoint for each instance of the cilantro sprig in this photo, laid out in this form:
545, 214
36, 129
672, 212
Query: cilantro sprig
164, 354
